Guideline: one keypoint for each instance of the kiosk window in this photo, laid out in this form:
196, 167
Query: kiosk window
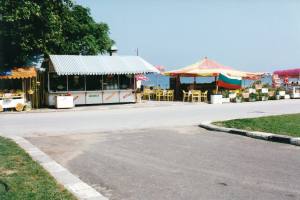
94, 82
57, 83
126, 81
110, 82
76, 83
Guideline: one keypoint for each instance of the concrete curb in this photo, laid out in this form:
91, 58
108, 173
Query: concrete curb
72, 183
254, 134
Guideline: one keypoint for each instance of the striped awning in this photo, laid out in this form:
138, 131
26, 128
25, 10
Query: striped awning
99, 65
291, 73
207, 68
20, 73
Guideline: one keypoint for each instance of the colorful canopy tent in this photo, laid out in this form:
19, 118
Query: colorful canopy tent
289, 73
210, 68
19, 73
28, 77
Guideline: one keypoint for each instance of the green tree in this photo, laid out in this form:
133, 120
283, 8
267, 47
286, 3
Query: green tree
34, 27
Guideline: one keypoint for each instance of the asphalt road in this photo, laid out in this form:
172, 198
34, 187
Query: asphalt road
156, 151
178, 163
139, 116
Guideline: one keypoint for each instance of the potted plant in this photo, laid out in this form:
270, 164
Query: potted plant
239, 97
252, 97
258, 85
271, 94
280, 93
264, 97
225, 96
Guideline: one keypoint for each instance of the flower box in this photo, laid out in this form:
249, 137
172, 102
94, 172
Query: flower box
64, 101
216, 99
281, 93
252, 90
225, 100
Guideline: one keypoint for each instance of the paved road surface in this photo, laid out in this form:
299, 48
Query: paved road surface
87, 121
157, 152
178, 164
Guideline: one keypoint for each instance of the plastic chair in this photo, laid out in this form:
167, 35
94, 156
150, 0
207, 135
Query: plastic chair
204, 96
147, 94
159, 94
170, 95
185, 96
196, 95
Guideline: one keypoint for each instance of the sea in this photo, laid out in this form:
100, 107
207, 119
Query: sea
164, 81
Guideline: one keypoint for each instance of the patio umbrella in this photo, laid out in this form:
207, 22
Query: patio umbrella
211, 68
141, 77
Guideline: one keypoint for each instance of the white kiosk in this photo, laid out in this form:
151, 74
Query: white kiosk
94, 79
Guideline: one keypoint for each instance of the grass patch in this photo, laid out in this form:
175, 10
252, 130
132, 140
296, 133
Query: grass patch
282, 124
21, 178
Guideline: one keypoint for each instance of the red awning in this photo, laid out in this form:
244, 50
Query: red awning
290, 73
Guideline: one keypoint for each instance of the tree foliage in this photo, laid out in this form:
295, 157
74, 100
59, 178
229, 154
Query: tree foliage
33, 27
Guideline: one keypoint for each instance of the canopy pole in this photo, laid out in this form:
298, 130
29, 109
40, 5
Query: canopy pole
177, 87
48, 82
217, 87
67, 83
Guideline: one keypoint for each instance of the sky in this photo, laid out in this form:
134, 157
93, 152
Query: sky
252, 35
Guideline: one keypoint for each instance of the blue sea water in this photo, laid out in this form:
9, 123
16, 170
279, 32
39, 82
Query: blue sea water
164, 81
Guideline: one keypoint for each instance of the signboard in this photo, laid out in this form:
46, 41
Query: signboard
264, 90
79, 97
252, 90
94, 98
111, 96
282, 93
127, 96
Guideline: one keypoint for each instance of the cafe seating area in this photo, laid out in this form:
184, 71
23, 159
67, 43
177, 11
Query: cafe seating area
194, 96
158, 94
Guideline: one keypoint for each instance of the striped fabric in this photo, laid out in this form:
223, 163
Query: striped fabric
208, 68
20, 73
228, 82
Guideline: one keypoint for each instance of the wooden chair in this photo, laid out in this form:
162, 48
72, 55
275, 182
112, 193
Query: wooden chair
159, 94
185, 95
170, 95
196, 95
204, 96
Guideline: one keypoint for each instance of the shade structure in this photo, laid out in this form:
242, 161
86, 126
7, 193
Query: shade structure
211, 68
20, 73
99, 65
141, 77
290, 73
